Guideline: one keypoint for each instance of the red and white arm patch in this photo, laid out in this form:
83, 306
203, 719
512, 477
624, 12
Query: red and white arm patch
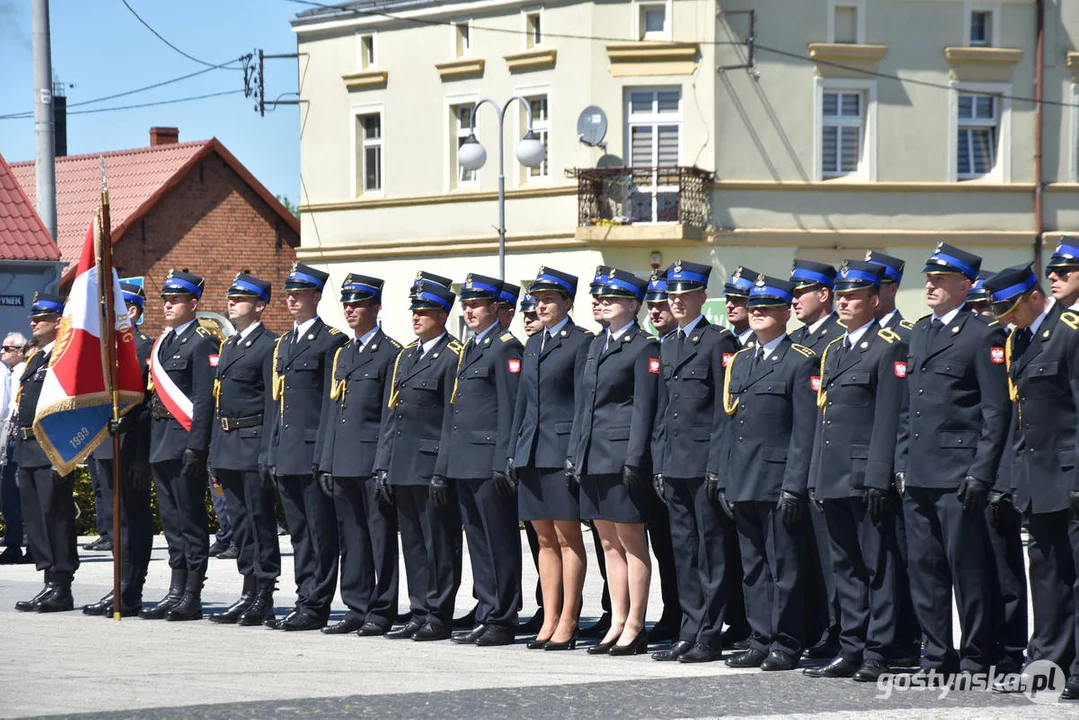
727, 359
900, 369
214, 360
653, 366
996, 354
814, 383
514, 365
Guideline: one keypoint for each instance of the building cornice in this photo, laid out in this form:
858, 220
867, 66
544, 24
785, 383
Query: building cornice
465, 67
972, 186
982, 55
448, 198
531, 60
846, 52
651, 59
367, 80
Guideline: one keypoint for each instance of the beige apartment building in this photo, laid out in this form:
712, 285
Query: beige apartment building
740, 132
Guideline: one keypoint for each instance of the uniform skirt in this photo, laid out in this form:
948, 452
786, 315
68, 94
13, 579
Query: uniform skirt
604, 497
542, 495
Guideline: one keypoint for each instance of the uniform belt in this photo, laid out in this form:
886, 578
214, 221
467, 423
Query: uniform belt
230, 424
26, 433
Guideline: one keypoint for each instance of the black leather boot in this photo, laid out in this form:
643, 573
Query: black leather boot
232, 614
260, 609
100, 606
171, 600
189, 607
59, 600
31, 604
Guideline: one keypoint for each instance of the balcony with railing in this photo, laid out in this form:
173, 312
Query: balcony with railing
642, 203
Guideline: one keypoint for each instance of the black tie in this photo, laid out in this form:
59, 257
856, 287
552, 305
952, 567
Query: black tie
934, 333
758, 358
1022, 342
169, 339
543, 340
607, 342
681, 340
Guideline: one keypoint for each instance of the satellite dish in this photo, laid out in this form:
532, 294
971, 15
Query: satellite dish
592, 126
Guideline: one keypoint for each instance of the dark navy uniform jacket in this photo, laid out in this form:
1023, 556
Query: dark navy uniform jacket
829, 330
420, 392
300, 376
476, 430
543, 415
189, 362
1046, 380
244, 391
135, 443
616, 405
772, 408
956, 421
359, 388
899, 326
687, 440
28, 453
860, 399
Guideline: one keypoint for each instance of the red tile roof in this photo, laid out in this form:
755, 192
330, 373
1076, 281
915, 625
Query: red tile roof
137, 179
22, 234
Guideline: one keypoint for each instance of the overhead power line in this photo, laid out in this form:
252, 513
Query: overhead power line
161, 37
171, 101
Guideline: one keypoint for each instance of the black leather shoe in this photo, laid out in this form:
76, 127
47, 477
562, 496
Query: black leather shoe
841, 667
749, 659
1071, 689
822, 651
260, 609
99, 607
343, 627
232, 613
466, 621
31, 604
134, 609
11, 556
274, 623
371, 629
429, 633
700, 653
494, 636
189, 608
171, 600
597, 630
105, 545
637, 646
871, 670
230, 553
59, 600
664, 630
405, 632
778, 660
680, 648
217, 548
92, 545
469, 637
603, 648
300, 621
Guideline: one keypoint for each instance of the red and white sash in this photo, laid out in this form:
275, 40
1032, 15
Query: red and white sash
172, 397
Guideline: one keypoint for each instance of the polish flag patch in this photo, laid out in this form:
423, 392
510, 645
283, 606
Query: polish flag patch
900, 369
814, 383
214, 360
514, 366
996, 354
727, 359
653, 366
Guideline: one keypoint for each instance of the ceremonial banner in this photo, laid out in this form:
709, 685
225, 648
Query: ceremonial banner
75, 406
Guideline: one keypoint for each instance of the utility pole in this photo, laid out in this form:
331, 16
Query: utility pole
45, 155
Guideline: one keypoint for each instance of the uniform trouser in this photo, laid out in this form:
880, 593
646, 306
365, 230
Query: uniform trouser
702, 536
494, 549
1054, 541
659, 535
863, 557
312, 524
224, 534
369, 566
9, 501
945, 545
48, 505
102, 517
431, 545
908, 634
254, 525
821, 597
182, 505
1008, 585
136, 525
773, 560
533, 547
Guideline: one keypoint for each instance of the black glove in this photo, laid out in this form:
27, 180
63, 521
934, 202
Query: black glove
1000, 505
725, 505
791, 507
325, 483
711, 486
140, 474
573, 481
194, 465
314, 471
901, 483
659, 487
267, 476
121, 426
511, 472
505, 486
383, 489
973, 493
878, 502
1073, 501
819, 504
631, 477
438, 490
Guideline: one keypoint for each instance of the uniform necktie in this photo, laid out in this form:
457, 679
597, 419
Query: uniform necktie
1022, 341
607, 342
681, 340
934, 333
543, 340
758, 358
169, 338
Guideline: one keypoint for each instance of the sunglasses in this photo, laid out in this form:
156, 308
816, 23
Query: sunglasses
10, 348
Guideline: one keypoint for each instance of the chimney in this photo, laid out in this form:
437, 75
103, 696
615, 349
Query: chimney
164, 136
59, 119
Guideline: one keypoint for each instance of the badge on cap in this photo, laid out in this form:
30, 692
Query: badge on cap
295, 265
900, 370
514, 366
737, 273
940, 246
678, 266
653, 366
996, 354
868, 255
542, 269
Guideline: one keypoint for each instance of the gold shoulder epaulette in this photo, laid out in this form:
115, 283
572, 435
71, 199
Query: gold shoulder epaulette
203, 332
506, 336
393, 343
887, 335
993, 324
808, 352
333, 330
906, 324
1070, 319
412, 344
455, 347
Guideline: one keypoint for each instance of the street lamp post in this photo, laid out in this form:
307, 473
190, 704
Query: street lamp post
472, 156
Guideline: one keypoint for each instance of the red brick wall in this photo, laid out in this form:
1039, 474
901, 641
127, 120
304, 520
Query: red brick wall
214, 225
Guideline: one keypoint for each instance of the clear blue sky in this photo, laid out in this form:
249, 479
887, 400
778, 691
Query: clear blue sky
101, 48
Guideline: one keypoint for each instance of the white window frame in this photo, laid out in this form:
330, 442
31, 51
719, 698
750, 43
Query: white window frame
355, 143
867, 168
450, 176
638, 31
655, 120
523, 174
1002, 169
1073, 165
995, 9
361, 60
527, 32
860, 6
455, 29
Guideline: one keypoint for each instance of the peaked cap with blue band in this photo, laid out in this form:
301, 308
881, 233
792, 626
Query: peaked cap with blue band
431, 279
857, 275
1066, 254
244, 285
807, 273
528, 304
551, 279
180, 282
305, 277
893, 266
684, 276
133, 294
432, 296
740, 282
978, 293
950, 259
357, 288
599, 279
481, 287
657, 288
1008, 286
620, 283
46, 304
770, 291
509, 294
